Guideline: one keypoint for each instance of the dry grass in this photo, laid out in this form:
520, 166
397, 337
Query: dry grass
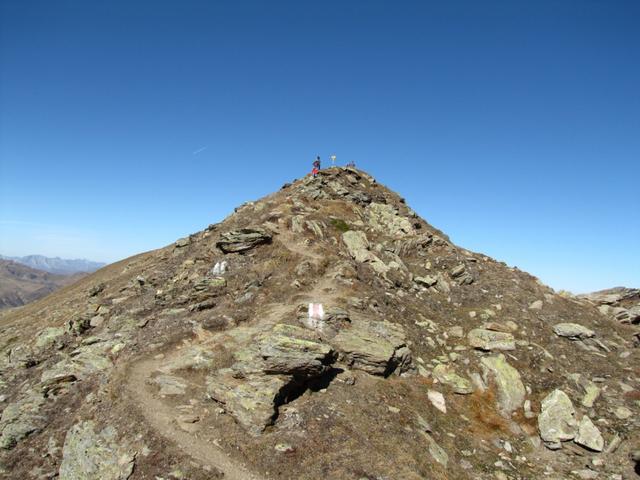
486, 421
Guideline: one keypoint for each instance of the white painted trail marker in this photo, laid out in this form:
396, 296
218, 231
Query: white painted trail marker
219, 268
316, 311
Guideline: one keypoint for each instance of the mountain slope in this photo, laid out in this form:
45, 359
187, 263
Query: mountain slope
205, 358
60, 266
20, 284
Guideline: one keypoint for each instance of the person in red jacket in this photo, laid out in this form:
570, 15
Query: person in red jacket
316, 167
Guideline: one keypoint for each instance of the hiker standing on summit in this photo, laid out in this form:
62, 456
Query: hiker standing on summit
316, 167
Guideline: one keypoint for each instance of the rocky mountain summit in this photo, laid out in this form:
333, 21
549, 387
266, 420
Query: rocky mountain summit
324, 331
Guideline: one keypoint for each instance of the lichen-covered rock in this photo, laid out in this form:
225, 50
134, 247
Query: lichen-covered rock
49, 336
88, 455
252, 400
589, 436
509, 386
288, 349
556, 421
385, 218
86, 361
378, 348
20, 419
446, 375
358, 247
243, 239
194, 357
573, 331
491, 340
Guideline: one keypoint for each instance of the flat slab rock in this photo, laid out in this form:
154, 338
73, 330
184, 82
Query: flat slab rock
243, 239
376, 347
573, 331
251, 400
294, 350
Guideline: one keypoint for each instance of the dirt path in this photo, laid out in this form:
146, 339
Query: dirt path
161, 418
289, 241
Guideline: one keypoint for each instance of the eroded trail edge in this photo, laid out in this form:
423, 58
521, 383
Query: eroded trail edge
161, 418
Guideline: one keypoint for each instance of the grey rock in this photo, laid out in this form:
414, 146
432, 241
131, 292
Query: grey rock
86, 360
384, 218
427, 281
446, 375
49, 336
556, 421
288, 349
509, 386
378, 348
170, 385
183, 242
458, 270
88, 455
20, 419
194, 358
589, 436
491, 340
243, 239
252, 400
358, 247
573, 331
536, 305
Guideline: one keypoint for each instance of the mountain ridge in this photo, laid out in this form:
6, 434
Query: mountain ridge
212, 357
20, 284
57, 265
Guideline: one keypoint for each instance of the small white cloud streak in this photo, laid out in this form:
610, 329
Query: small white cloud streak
201, 149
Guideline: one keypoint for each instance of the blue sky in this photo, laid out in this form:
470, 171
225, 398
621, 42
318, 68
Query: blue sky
512, 126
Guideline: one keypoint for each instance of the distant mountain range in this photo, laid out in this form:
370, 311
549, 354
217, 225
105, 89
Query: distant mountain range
20, 284
59, 266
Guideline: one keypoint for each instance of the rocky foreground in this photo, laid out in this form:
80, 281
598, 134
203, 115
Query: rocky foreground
324, 331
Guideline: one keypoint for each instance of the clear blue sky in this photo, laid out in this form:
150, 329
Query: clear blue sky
513, 126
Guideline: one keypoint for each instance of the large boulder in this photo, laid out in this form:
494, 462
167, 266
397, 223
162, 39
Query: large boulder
509, 386
251, 400
491, 340
88, 455
556, 421
378, 348
294, 350
242, 239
